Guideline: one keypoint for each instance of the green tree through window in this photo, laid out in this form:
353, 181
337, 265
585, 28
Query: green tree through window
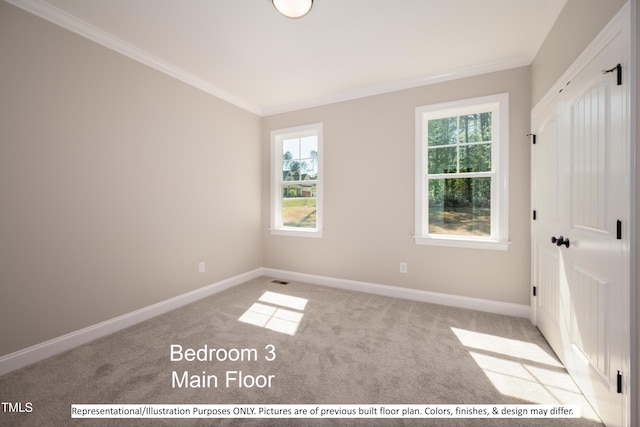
458, 170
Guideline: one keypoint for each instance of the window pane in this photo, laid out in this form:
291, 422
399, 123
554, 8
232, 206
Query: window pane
299, 205
291, 148
442, 131
300, 158
460, 206
475, 158
475, 128
309, 156
442, 160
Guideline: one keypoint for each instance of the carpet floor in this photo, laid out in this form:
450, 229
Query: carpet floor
312, 345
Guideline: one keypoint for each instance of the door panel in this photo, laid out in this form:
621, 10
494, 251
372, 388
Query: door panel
546, 269
595, 258
591, 316
549, 297
589, 122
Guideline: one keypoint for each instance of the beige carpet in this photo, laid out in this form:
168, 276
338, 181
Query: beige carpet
319, 345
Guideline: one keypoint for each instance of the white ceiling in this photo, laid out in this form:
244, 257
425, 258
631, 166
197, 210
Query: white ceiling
246, 53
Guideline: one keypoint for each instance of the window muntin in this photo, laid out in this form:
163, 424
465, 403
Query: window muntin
296, 181
461, 169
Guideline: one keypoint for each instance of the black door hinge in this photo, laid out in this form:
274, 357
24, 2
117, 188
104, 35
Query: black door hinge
619, 230
619, 382
533, 137
534, 291
535, 214
618, 70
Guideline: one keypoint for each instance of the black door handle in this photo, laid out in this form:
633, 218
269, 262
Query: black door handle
559, 241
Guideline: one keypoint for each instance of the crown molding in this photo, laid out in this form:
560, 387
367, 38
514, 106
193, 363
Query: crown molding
52, 14
65, 20
474, 70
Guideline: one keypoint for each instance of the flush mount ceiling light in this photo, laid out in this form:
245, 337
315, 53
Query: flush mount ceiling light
293, 8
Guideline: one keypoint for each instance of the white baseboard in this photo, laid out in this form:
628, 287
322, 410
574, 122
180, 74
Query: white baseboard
497, 307
27, 356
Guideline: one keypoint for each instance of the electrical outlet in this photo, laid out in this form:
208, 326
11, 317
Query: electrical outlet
201, 267
403, 267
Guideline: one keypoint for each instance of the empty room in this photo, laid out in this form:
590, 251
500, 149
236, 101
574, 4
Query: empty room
298, 212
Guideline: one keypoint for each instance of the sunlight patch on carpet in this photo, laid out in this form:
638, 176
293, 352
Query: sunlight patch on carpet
277, 298
523, 370
505, 346
269, 313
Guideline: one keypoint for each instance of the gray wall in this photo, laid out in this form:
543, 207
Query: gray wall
369, 196
578, 24
115, 181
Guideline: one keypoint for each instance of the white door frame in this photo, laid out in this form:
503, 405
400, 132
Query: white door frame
634, 399
623, 21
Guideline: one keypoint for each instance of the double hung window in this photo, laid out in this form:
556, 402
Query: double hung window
296, 188
462, 173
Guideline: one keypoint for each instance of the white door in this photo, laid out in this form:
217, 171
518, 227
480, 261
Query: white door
578, 179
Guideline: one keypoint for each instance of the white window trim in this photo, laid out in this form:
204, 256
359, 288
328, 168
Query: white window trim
277, 136
499, 240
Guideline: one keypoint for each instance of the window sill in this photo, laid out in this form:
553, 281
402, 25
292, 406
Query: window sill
294, 232
462, 242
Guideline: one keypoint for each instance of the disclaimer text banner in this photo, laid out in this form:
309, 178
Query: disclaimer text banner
322, 411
